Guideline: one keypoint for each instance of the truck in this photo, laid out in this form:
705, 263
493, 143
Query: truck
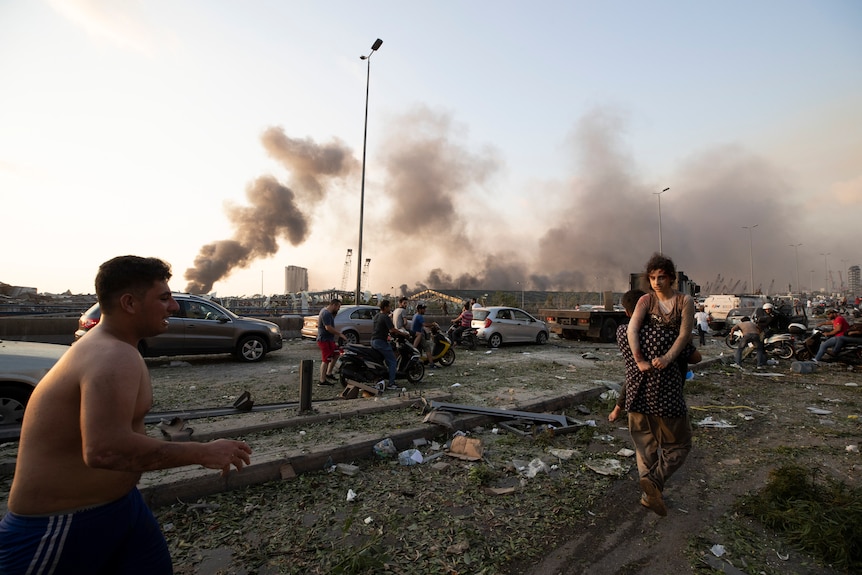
599, 323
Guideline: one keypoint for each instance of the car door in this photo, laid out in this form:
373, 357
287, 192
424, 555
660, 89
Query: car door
362, 320
524, 325
506, 325
207, 328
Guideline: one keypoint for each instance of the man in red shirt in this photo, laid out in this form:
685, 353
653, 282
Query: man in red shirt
839, 328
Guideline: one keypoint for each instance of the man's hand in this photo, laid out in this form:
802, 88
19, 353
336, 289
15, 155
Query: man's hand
644, 365
222, 453
661, 362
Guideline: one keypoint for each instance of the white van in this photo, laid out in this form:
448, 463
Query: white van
717, 306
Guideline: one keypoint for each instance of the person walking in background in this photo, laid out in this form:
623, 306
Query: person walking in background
657, 413
327, 336
74, 506
701, 319
751, 333
382, 329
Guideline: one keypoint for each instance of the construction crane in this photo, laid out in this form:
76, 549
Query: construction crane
832, 280
346, 273
365, 274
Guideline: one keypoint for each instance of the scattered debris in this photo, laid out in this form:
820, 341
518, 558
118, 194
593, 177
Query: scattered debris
351, 495
708, 421
410, 457
625, 452
608, 467
818, 411
174, 429
468, 448
717, 550
385, 448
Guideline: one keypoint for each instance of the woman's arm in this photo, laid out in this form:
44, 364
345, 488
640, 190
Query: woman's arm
684, 337
633, 332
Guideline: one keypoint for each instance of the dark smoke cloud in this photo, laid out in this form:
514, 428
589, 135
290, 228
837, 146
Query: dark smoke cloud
274, 211
605, 225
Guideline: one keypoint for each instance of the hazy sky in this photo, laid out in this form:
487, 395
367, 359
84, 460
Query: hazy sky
507, 141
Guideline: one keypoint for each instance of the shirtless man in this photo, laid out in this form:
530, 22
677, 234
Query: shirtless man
74, 506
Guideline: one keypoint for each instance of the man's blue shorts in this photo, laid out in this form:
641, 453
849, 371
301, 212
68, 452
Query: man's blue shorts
122, 537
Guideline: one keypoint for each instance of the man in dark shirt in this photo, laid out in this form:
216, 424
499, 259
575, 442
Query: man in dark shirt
383, 328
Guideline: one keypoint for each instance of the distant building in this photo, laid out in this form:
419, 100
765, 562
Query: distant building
853, 285
295, 279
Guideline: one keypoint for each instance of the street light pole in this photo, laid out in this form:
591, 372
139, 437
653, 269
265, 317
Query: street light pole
826, 272
374, 48
796, 249
750, 255
659, 218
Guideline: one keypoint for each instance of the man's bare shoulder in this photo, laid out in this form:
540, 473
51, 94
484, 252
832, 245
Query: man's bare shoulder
100, 351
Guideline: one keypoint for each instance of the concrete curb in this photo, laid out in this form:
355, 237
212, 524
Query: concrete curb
294, 464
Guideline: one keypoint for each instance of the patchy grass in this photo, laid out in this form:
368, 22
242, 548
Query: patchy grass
817, 514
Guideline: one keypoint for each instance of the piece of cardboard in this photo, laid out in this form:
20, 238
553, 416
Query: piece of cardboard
467, 448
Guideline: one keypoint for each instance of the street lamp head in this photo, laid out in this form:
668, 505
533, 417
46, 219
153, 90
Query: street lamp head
664, 190
374, 47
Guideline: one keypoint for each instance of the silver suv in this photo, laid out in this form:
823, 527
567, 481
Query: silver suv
202, 326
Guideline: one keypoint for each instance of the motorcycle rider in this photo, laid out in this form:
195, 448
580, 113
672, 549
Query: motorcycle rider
463, 320
839, 328
382, 329
751, 333
770, 320
420, 340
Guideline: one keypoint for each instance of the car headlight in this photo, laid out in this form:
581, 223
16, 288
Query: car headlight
275, 330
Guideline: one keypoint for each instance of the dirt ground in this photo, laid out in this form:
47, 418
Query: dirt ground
487, 517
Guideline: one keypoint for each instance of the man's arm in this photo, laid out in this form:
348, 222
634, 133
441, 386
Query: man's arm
115, 396
331, 329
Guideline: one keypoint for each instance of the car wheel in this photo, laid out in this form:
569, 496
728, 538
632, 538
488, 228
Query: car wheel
251, 348
448, 358
13, 401
542, 338
415, 371
496, 340
351, 336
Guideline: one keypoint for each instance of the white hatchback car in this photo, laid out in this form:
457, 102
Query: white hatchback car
499, 325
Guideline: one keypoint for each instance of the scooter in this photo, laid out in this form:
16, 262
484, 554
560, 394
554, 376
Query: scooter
850, 354
777, 345
365, 364
441, 350
467, 337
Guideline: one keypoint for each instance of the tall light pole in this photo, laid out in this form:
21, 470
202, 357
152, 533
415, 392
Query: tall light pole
826, 272
522, 294
750, 255
374, 48
659, 218
796, 249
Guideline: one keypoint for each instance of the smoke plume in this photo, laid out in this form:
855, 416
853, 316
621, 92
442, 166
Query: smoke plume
275, 211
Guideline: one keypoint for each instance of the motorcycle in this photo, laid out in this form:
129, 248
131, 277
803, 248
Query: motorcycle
466, 338
441, 347
365, 364
777, 345
850, 354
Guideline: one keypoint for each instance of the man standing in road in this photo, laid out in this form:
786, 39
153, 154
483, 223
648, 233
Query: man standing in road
326, 340
74, 506
701, 319
751, 333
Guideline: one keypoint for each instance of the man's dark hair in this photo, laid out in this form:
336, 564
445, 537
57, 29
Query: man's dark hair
124, 274
402, 299
384, 303
630, 299
335, 300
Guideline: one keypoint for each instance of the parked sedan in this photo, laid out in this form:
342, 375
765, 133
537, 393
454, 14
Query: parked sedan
499, 325
355, 321
22, 365
201, 326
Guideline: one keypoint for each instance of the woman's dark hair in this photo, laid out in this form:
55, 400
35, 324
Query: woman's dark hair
125, 274
658, 262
